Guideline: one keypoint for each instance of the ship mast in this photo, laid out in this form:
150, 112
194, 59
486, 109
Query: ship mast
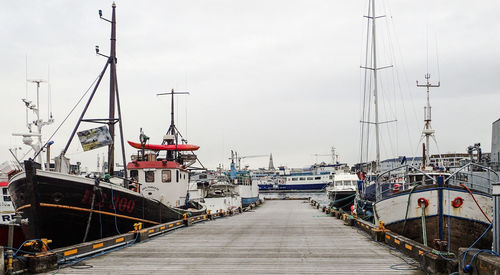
172, 135
375, 95
112, 92
113, 99
39, 123
427, 131
374, 68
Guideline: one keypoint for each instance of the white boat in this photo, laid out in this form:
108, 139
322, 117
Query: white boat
428, 204
222, 196
314, 178
215, 191
342, 191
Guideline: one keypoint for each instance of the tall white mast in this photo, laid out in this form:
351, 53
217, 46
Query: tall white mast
39, 123
375, 95
374, 68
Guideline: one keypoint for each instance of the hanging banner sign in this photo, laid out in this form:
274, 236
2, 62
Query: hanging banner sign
95, 138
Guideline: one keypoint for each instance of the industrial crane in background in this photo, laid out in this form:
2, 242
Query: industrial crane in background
237, 159
335, 157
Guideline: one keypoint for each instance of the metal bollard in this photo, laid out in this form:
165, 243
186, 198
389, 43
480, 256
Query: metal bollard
496, 216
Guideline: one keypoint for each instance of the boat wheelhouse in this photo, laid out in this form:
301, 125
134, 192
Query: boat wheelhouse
159, 179
342, 191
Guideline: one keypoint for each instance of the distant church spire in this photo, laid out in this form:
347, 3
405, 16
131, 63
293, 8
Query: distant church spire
271, 165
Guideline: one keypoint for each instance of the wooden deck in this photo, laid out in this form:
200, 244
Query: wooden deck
279, 237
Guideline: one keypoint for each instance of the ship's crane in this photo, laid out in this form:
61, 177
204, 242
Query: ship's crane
237, 159
333, 155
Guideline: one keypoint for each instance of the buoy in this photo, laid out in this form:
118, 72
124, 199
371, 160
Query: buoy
457, 202
423, 201
396, 188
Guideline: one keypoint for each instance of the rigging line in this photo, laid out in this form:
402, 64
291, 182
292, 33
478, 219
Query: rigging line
417, 148
364, 86
397, 55
437, 146
427, 45
74, 107
437, 60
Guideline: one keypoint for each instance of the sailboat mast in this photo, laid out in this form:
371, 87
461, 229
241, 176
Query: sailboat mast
112, 91
375, 95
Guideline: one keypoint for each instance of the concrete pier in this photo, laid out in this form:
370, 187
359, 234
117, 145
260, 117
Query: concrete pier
279, 237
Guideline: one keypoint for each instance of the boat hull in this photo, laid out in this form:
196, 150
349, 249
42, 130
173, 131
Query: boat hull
303, 187
461, 225
247, 201
266, 187
342, 199
60, 207
18, 236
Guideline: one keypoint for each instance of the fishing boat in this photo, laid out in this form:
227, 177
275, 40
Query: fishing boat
70, 209
220, 195
7, 212
442, 209
246, 188
342, 191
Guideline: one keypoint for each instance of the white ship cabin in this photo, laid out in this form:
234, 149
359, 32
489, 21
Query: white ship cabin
430, 176
308, 177
165, 181
345, 181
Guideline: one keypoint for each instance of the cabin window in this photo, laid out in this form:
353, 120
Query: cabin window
331, 177
318, 178
134, 174
6, 196
149, 176
302, 178
166, 176
294, 179
177, 175
309, 178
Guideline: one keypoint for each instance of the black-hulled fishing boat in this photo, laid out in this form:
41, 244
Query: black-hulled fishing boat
70, 209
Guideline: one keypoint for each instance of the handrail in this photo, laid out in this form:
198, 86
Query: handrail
471, 164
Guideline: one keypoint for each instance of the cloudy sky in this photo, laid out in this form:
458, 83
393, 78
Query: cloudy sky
273, 76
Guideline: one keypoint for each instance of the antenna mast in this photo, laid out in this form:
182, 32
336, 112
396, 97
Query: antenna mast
113, 96
427, 131
172, 135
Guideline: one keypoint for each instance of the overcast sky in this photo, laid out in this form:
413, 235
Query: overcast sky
273, 76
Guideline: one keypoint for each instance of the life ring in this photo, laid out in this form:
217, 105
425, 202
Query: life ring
457, 202
396, 188
423, 201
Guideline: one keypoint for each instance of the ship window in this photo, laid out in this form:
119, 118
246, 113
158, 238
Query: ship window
302, 178
134, 174
309, 178
149, 176
318, 178
166, 176
177, 175
331, 177
6, 196
294, 179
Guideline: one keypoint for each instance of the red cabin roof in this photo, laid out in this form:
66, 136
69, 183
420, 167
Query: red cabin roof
160, 164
